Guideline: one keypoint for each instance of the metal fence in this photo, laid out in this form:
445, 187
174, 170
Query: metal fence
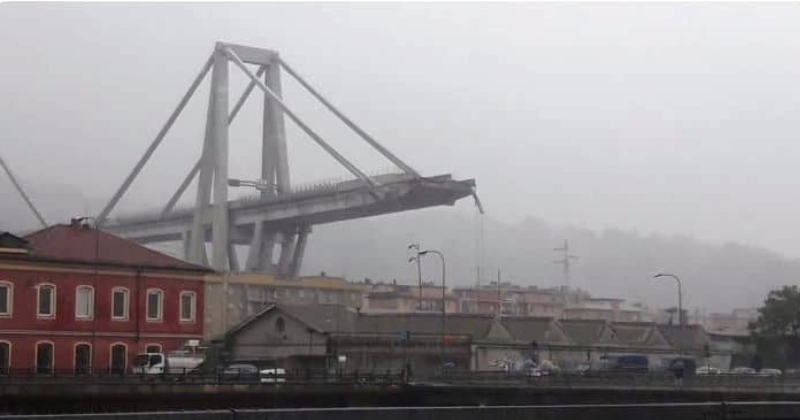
400, 377
684, 411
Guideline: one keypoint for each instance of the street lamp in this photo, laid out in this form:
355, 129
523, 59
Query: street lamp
419, 272
444, 293
680, 309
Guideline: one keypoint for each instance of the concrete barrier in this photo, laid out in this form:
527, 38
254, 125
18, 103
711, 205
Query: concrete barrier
691, 411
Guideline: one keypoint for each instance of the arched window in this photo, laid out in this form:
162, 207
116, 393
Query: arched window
119, 303
188, 306
5, 357
46, 300
152, 348
280, 325
6, 298
155, 304
119, 358
84, 302
83, 358
44, 357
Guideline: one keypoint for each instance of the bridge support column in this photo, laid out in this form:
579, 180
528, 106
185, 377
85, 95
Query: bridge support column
214, 173
287, 252
299, 250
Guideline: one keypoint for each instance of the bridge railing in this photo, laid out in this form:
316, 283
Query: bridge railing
117, 376
307, 376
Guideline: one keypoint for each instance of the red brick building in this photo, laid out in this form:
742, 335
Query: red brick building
76, 298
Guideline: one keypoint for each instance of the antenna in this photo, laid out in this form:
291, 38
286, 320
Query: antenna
565, 261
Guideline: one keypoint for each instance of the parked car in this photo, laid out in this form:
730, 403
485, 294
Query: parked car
624, 363
772, 373
239, 372
273, 376
707, 370
742, 371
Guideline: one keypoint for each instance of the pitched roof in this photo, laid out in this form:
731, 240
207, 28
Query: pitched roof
694, 336
584, 332
83, 244
528, 329
638, 334
9, 240
341, 319
477, 326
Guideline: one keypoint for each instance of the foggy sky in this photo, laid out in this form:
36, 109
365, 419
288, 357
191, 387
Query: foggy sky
672, 118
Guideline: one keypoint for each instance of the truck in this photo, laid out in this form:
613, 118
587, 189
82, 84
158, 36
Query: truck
170, 364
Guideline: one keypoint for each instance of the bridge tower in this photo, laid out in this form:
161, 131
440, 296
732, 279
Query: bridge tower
276, 239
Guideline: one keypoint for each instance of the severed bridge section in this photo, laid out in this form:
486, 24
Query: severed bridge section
274, 223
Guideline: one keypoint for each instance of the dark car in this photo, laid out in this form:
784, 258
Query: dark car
624, 363
239, 372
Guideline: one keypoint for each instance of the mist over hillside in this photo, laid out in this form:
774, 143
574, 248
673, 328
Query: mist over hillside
612, 263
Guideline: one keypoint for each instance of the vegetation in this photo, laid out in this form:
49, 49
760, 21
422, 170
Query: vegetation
777, 330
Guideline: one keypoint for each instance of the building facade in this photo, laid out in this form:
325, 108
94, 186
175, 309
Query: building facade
73, 298
232, 297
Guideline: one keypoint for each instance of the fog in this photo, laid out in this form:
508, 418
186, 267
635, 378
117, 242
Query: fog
678, 119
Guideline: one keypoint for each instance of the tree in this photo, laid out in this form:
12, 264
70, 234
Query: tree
777, 329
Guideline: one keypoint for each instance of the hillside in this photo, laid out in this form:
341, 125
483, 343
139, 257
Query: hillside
611, 263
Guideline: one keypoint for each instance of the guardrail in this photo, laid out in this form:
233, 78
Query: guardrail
302, 377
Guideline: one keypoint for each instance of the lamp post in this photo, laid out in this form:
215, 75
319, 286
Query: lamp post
680, 309
94, 288
444, 293
419, 272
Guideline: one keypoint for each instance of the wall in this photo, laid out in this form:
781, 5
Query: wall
690, 411
264, 340
232, 298
23, 328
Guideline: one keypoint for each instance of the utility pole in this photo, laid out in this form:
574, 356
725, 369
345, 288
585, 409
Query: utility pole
499, 297
416, 249
565, 262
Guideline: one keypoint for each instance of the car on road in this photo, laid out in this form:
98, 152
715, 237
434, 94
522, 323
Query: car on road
707, 370
744, 371
772, 373
239, 372
273, 376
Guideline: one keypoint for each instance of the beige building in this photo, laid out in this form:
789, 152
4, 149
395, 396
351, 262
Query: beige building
395, 298
606, 309
511, 299
736, 321
230, 298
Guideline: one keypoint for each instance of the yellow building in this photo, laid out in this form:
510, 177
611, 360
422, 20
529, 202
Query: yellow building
232, 297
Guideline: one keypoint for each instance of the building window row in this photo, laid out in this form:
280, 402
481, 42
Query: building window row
84, 303
45, 350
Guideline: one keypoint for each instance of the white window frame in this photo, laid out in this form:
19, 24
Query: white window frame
75, 353
78, 289
193, 309
125, 304
160, 347
10, 351
111, 354
9, 298
160, 316
53, 300
52, 355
